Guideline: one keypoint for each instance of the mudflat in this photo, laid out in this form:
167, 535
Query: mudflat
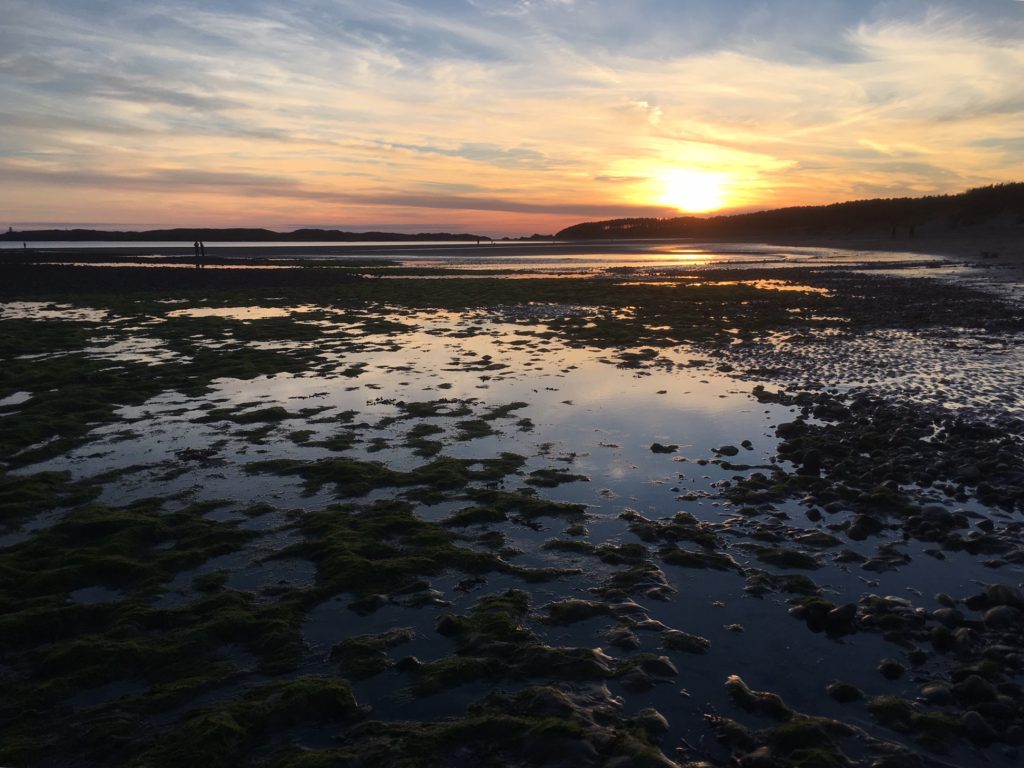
307, 513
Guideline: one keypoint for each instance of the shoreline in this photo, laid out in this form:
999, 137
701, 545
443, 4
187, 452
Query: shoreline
996, 260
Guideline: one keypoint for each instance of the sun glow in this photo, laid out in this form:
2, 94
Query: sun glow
693, 191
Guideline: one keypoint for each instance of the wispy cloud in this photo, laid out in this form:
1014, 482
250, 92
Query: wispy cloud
517, 115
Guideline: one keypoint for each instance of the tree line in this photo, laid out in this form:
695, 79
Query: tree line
878, 216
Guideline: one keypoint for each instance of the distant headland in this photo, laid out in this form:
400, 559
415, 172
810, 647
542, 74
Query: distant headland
999, 206
233, 234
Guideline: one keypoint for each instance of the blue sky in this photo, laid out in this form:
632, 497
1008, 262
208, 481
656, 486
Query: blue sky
496, 117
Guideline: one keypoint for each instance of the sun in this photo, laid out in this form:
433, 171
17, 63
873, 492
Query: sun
693, 191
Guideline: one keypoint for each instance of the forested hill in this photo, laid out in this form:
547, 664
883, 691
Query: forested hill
1001, 205
234, 235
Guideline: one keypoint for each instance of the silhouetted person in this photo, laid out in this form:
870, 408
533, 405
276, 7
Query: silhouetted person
195, 246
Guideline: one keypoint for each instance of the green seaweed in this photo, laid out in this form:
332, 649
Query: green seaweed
366, 655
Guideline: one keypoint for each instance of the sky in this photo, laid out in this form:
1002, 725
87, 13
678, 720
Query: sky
499, 117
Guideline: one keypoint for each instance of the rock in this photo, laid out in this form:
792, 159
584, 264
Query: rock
790, 429
448, 625
977, 728
937, 693
941, 638
974, 689
945, 600
1001, 616
622, 637
408, 664
1000, 594
918, 656
659, 448
636, 680
814, 514
891, 669
650, 625
759, 758
727, 450
949, 617
659, 665
863, 526
841, 619
844, 692
811, 463
652, 721
678, 640
964, 640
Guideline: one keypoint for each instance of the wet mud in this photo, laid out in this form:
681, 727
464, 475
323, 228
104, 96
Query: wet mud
700, 516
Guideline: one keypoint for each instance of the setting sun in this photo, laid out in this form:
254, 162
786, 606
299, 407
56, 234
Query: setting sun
693, 191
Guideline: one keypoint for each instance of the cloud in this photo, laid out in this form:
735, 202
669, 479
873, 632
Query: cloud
524, 109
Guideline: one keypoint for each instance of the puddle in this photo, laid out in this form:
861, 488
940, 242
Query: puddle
41, 310
234, 313
17, 398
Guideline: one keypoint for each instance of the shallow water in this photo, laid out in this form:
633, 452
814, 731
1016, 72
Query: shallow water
594, 413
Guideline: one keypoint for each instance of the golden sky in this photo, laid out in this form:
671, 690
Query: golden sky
502, 118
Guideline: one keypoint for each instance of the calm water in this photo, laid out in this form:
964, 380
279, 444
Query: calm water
545, 257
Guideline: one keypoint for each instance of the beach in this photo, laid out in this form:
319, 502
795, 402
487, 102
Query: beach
662, 504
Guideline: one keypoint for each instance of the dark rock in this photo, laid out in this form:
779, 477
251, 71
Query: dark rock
1002, 616
408, 664
974, 689
623, 637
659, 665
1001, 594
949, 617
891, 669
937, 693
677, 640
659, 448
844, 693
863, 526
727, 450
652, 721
790, 429
448, 624
841, 619
811, 462
977, 728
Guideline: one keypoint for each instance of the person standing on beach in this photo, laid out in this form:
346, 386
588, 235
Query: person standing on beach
195, 245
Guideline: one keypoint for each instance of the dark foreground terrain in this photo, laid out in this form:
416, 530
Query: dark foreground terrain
343, 516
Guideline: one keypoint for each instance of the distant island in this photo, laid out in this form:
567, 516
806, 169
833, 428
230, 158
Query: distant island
233, 234
995, 207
